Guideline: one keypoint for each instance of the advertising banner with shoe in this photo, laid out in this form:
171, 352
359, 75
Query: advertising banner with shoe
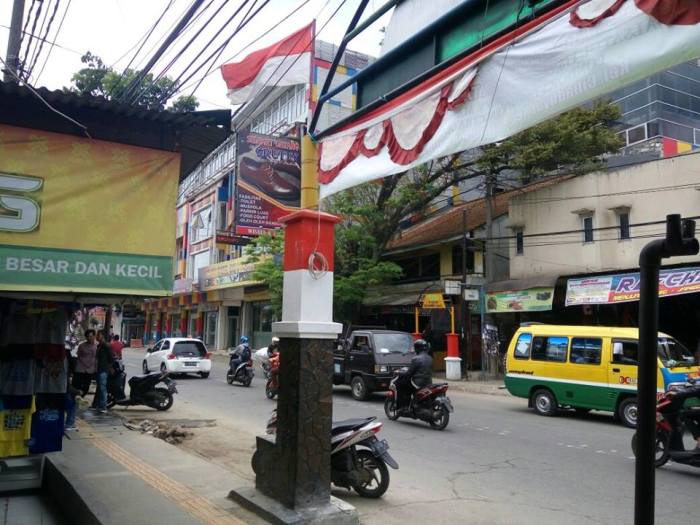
84, 215
269, 182
531, 300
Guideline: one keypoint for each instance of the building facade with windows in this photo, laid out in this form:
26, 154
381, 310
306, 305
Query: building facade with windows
214, 295
661, 113
584, 235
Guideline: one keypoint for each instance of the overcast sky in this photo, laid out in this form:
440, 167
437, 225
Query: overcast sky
111, 28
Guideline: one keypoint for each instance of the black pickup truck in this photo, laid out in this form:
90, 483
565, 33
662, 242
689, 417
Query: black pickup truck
366, 358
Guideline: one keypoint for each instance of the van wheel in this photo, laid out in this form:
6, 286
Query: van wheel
627, 412
359, 388
544, 402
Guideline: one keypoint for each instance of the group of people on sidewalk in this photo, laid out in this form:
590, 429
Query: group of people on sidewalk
95, 359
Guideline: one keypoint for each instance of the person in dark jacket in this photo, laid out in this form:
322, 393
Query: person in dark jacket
418, 375
105, 364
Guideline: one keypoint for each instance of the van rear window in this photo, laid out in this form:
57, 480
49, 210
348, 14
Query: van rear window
550, 348
522, 347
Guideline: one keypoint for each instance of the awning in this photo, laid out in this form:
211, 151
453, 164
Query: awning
401, 294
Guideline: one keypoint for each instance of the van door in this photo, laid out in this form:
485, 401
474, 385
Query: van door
623, 366
360, 355
339, 356
589, 388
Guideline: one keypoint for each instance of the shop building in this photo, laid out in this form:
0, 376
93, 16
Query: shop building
87, 223
578, 242
221, 206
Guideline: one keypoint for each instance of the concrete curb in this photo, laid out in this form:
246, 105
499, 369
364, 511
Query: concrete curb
65, 489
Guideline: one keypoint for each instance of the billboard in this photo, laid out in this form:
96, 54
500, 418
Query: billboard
623, 288
226, 274
85, 215
268, 183
530, 300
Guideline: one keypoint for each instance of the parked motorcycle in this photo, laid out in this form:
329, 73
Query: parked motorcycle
272, 375
143, 390
243, 373
429, 404
362, 469
672, 418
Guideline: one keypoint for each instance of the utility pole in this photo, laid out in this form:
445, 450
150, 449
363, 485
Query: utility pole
13, 42
489, 266
465, 318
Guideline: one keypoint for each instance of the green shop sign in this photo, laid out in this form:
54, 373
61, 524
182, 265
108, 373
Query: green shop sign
45, 269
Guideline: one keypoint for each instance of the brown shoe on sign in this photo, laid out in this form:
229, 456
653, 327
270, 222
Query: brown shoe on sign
264, 177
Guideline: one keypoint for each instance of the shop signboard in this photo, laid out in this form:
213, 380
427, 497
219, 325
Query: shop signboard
82, 215
268, 185
624, 288
229, 237
226, 274
433, 300
530, 300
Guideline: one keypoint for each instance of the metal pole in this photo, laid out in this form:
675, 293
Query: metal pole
464, 319
13, 42
646, 393
680, 240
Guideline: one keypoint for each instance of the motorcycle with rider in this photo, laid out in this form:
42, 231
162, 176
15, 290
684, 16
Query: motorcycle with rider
413, 394
240, 367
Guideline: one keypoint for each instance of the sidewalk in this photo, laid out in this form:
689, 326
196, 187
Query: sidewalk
110, 475
475, 386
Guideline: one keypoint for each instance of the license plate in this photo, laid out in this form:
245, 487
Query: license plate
380, 447
191, 363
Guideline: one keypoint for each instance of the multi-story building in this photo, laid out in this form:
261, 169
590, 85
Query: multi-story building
579, 242
214, 296
660, 113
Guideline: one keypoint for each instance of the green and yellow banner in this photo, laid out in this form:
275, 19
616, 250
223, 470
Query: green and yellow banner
85, 215
531, 300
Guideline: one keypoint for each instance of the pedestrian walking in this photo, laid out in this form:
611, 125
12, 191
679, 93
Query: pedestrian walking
105, 363
117, 347
85, 367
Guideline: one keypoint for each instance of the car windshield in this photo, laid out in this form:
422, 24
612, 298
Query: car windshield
189, 349
674, 354
393, 343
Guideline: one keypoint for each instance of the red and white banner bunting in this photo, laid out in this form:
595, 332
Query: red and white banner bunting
572, 54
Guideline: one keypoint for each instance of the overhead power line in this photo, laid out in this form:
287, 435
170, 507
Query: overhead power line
40, 45
178, 82
53, 44
247, 46
33, 32
134, 84
192, 39
117, 91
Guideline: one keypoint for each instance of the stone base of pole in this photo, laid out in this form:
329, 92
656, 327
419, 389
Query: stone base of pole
453, 368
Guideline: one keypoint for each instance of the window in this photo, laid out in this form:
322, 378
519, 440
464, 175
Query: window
625, 352
519, 243
522, 347
430, 265
189, 349
360, 343
165, 345
457, 260
588, 229
210, 329
550, 348
624, 218
585, 351
637, 134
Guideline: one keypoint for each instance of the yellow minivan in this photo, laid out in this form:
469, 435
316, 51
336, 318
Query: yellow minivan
588, 368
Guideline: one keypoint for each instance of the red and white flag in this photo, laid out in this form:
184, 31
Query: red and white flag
284, 63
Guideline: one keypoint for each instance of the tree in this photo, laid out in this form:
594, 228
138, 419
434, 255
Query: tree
372, 213
266, 253
98, 79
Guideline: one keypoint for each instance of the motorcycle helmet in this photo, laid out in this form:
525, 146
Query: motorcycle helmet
420, 346
275, 340
244, 340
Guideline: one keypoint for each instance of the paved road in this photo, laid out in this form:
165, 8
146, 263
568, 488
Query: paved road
497, 462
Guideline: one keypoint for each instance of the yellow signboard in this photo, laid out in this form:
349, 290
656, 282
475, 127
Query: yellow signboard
433, 300
78, 214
